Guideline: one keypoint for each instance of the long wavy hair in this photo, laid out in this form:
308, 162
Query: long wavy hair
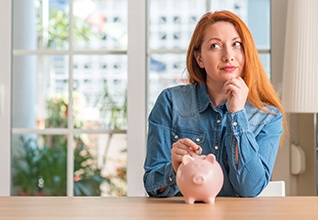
261, 91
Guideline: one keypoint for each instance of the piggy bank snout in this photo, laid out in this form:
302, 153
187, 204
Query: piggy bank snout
198, 179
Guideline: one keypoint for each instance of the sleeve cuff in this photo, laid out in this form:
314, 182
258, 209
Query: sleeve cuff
170, 176
169, 182
237, 121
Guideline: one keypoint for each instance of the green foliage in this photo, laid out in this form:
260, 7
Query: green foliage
39, 170
57, 111
118, 113
42, 170
87, 176
56, 34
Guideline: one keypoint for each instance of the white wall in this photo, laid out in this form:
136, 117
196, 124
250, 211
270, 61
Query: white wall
282, 165
300, 126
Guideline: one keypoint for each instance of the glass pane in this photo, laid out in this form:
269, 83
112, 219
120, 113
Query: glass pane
24, 27
171, 22
100, 24
259, 22
170, 26
100, 162
39, 165
100, 91
256, 15
165, 70
52, 23
40, 92
238, 7
266, 60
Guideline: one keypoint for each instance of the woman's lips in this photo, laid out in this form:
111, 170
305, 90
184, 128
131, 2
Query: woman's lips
229, 68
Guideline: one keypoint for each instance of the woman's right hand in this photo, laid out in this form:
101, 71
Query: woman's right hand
180, 148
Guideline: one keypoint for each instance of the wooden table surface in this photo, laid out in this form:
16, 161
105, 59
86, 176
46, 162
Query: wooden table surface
141, 208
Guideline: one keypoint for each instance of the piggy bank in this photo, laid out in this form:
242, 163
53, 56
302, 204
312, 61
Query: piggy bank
199, 178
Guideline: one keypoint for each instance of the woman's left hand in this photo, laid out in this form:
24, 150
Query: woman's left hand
237, 92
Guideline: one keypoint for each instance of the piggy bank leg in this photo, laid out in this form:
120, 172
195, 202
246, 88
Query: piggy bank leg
189, 200
210, 200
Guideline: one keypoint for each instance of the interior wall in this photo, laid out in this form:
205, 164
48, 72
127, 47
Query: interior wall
282, 164
305, 133
300, 130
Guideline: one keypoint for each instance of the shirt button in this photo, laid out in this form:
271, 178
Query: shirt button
176, 136
218, 121
216, 147
197, 139
170, 179
234, 123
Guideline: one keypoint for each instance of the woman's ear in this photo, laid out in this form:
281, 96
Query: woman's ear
198, 58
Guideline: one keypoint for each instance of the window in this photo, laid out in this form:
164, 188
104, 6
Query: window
69, 97
72, 87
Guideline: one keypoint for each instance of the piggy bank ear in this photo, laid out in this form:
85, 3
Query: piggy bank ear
186, 159
210, 158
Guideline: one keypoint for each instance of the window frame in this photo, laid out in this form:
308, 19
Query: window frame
5, 88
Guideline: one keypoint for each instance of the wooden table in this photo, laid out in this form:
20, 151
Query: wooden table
141, 208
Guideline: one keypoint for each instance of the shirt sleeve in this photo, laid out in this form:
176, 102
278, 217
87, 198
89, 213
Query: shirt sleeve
158, 168
250, 170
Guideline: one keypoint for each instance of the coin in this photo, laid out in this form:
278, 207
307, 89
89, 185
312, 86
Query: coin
199, 151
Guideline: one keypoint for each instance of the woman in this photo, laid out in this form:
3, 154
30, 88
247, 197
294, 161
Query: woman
229, 108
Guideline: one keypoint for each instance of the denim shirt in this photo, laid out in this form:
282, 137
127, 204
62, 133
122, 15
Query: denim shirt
185, 111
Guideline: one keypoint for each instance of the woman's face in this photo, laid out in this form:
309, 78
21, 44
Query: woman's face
221, 53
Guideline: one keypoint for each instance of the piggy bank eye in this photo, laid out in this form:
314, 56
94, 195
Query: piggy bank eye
201, 165
195, 165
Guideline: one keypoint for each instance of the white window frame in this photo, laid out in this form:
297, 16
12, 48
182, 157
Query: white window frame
137, 96
5, 88
136, 100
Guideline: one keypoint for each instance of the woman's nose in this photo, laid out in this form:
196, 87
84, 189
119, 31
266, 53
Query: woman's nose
226, 59
227, 55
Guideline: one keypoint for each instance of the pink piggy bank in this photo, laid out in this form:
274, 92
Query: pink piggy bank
199, 178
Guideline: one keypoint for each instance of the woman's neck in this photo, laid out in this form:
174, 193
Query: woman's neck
216, 94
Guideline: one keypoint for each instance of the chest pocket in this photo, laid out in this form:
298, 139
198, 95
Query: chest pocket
196, 137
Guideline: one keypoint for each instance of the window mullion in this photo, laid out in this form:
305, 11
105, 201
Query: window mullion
5, 83
136, 96
70, 137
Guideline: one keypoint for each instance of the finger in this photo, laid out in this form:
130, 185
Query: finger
234, 85
235, 81
177, 152
229, 85
189, 144
240, 83
241, 80
179, 149
229, 88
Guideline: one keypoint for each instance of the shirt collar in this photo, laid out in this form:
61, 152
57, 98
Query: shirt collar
203, 99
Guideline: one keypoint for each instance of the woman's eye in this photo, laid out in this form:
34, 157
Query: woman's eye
214, 46
237, 44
